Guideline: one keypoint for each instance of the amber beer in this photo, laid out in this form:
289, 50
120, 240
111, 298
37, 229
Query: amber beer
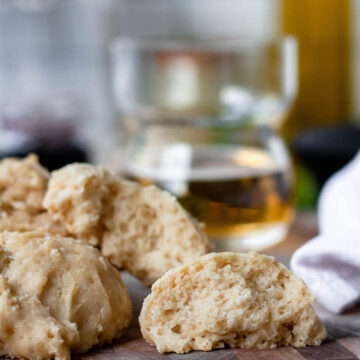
238, 202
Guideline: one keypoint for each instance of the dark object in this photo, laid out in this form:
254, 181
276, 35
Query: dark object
48, 129
53, 156
326, 150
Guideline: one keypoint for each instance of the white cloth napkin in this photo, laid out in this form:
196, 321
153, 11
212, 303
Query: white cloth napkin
330, 263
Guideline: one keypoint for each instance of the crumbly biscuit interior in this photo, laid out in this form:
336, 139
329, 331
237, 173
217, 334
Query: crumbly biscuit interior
143, 229
243, 300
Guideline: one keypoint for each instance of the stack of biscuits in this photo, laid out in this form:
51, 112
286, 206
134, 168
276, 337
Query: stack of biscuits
65, 235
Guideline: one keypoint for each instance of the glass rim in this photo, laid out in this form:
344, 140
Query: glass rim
198, 44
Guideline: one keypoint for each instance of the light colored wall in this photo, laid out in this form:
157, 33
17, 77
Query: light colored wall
65, 46
254, 18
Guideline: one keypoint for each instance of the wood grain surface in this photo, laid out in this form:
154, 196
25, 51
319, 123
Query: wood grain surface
343, 342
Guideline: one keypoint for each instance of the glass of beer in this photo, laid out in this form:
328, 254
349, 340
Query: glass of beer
201, 121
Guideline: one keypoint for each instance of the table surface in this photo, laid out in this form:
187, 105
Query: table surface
343, 340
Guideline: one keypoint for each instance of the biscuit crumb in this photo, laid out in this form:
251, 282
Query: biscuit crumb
54, 252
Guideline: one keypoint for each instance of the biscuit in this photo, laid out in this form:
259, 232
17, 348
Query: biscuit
57, 295
142, 229
244, 300
23, 184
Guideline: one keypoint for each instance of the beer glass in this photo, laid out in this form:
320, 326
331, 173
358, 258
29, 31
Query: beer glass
202, 120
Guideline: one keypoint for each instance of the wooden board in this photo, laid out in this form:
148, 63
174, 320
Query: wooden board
343, 342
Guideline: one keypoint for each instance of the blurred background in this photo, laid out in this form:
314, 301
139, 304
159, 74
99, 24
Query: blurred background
56, 95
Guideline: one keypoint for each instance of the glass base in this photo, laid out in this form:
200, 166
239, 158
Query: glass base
254, 240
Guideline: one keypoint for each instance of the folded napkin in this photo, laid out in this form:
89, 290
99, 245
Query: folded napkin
330, 263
